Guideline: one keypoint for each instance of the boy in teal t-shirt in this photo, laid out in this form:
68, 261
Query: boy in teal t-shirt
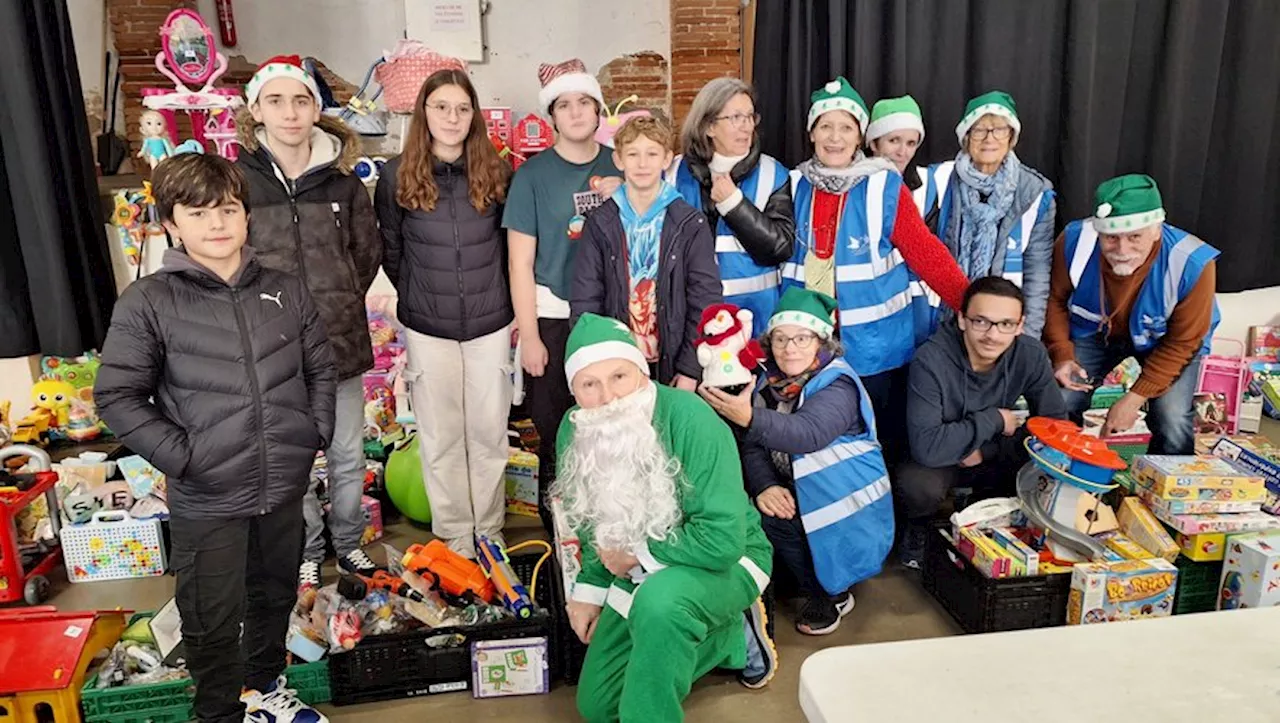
545, 212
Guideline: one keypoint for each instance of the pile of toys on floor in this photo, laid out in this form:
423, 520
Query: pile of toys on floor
1162, 535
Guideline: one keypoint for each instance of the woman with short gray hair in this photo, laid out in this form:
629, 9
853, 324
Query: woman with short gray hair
744, 193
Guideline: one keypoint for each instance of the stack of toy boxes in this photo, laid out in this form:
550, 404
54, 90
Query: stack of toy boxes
1255, 456
1202, 499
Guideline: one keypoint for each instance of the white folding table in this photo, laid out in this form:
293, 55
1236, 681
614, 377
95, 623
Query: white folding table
1221, 666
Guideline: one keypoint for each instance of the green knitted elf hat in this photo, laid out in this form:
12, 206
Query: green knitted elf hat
997, 102
895, 114
804, 307
597, 338
838, 95
1127, 203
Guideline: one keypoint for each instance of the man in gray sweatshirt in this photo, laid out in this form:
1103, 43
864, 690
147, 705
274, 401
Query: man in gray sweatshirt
964, 383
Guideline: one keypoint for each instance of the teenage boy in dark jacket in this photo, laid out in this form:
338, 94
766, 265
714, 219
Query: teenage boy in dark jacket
648, 258
965, 381
217, 371
313, 218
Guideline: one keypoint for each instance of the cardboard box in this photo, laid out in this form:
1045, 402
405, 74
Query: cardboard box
1188, 477
1250, 417
985, 554
1205, 502
501, 668
1141, 526
1122, 545
1257, 458
1207, 547
1251, 572
1264, 341
1103, 592
522, 483
1027, 558
1228, 523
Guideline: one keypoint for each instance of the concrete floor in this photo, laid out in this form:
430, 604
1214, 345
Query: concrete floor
890, 607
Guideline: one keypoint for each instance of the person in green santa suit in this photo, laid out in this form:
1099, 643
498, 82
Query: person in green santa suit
674, 560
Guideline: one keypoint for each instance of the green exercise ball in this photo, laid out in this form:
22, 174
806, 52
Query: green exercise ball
404, 482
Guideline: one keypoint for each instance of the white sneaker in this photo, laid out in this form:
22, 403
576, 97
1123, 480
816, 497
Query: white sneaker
308, 575
278, 705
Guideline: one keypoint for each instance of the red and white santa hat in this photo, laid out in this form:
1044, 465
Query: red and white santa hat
571, 76
281, 66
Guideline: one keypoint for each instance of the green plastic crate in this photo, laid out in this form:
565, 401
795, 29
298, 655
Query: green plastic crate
166, 702
1197, 590
311, 680
1128, 452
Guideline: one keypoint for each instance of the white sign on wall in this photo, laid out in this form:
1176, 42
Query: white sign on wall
451, 27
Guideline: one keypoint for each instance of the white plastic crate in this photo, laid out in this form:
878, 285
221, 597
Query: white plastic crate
113, 546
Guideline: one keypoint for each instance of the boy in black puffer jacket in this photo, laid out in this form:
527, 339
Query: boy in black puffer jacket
218, 372
313, 217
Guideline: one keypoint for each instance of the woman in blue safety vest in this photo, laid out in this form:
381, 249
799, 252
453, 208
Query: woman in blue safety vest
743, 192
995, 214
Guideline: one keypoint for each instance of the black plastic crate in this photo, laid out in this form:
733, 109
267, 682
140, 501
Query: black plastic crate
569, 651
388, 667
984, 605
1198, 584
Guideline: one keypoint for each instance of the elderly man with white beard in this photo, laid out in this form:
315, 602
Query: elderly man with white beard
674, 559
1125, 283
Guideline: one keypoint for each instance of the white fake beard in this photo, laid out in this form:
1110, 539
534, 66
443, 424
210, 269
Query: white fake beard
616, 476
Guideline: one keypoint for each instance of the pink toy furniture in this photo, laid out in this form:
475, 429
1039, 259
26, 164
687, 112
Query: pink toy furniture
1228, 376
189, 59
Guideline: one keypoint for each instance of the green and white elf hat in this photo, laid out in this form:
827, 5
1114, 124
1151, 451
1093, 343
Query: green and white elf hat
804, 307
997, 102
597, 338
1127, 203
895, 114
838, 95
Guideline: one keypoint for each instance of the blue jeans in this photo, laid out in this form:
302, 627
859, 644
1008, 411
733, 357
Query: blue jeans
1170, 416
345, 457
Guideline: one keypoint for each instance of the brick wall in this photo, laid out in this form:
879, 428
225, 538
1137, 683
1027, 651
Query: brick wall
645, 74
706, 43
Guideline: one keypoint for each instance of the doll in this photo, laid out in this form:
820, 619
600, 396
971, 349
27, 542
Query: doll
156, 145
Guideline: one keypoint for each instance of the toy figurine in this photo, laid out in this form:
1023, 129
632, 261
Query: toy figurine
725, 348
52, 398
156, 145
82, 421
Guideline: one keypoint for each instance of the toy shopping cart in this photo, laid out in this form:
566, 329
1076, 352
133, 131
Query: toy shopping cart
22, 572
1227, 376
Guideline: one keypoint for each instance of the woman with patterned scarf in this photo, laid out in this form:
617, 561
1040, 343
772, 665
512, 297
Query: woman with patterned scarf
861, 240
995, 214
811, 461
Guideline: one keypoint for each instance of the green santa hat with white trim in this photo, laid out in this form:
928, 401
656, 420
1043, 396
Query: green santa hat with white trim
810, 309
838, 95
895, 114
1127, 203
597, 338
997, 102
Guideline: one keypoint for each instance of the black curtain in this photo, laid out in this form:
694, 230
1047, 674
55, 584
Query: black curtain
56, 282
1187, 91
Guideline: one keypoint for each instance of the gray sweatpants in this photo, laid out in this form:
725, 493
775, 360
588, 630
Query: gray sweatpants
345, 457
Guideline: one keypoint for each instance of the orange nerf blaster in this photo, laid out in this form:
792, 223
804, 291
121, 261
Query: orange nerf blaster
452, 573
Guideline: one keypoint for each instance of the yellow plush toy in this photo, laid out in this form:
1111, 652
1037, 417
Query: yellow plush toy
54, 398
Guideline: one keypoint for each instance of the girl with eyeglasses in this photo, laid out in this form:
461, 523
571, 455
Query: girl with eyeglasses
995, 214
440, 210
811, 461
743, 192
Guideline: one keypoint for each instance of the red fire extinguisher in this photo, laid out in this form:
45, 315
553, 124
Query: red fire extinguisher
227, 22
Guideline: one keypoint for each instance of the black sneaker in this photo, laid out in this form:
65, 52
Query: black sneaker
356, 562
821, 615
911, 549
762, 654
